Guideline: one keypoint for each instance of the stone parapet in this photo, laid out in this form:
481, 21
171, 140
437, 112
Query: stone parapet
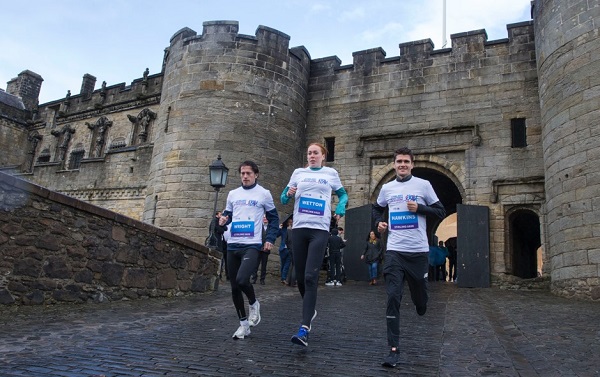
56, 249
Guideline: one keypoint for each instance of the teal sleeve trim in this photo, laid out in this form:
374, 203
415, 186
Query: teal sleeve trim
284, 196
343, 197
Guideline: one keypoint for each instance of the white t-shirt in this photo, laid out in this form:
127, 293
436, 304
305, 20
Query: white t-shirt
312, 208
248, 207
407, 230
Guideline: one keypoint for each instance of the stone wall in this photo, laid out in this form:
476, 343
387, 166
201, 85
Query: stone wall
453, 107
568, 65
56, 249
11, 134
111, 127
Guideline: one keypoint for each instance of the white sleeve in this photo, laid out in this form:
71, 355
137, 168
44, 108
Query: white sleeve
268, 200
293, 179
431, 195
228, 204
336, 183
381, 201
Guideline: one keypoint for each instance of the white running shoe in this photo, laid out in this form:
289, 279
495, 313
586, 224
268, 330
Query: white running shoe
254, 317
241, 332
337, 283
329, 283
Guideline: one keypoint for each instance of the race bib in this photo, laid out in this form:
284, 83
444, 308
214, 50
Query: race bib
242, 229
311, 206
403, 220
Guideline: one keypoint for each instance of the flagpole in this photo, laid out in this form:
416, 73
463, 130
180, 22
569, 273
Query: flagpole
444, 41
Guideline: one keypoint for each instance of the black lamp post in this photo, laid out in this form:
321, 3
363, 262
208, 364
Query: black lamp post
218, 179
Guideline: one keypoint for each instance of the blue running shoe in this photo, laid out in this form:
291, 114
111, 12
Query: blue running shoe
302, 337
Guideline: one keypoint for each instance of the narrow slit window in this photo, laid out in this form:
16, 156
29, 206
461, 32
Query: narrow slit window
519, 132
330, 145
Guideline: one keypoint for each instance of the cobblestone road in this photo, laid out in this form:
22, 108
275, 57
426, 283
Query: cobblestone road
466, 332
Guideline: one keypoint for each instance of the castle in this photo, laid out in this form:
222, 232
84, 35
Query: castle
509, 126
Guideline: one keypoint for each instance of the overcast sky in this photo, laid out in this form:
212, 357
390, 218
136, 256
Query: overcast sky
115, 41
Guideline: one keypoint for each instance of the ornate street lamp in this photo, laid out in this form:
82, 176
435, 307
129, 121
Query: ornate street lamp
218, 179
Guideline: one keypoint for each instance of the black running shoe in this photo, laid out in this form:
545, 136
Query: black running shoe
391, 360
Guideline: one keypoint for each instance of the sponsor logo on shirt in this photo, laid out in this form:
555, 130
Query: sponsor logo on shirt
244, 202
403, 198
321, 181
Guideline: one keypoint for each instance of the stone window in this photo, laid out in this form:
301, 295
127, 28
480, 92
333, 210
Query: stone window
518, 132
330, 145
44, 156
76, 157
118, 143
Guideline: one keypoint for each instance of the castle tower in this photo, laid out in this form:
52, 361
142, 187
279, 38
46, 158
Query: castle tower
567, 41
243, 97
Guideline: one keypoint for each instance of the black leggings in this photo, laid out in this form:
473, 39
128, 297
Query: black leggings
398, 268
309, 250
240, 265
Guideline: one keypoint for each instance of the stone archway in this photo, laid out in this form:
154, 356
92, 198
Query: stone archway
524, 240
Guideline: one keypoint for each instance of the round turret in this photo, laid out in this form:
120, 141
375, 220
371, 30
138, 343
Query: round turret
242, 97
566, 39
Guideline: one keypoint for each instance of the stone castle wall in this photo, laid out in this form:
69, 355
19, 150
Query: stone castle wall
56, 249
114, 173
453, 107
568, 65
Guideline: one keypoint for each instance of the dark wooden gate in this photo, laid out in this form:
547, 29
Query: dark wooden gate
473, 246
357, 228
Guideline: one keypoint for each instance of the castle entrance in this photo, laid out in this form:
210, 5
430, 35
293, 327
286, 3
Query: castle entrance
524, 241
447, 192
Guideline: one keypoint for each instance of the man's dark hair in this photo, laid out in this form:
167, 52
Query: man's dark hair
252, 165
406, 151
334, 232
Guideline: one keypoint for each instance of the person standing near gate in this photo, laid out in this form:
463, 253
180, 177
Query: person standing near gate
451, 244
244, 210
372, 256
409, 200
285, 248
335, 244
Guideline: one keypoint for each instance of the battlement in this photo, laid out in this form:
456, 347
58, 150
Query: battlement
470, 42
228, 31
107, 98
